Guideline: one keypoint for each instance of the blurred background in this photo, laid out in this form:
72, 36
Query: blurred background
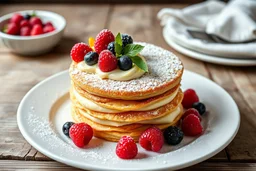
104, 1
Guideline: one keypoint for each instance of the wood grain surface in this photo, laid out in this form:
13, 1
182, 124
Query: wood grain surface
18, 74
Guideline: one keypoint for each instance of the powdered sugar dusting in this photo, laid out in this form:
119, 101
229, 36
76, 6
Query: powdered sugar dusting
43, 129
163, 67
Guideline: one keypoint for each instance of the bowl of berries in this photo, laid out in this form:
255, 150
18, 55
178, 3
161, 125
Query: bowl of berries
31, 32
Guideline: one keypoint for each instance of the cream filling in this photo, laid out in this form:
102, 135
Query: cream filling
162, 120
95, 107
117, 74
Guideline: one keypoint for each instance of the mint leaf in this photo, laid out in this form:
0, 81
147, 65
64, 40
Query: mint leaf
139, 62
118, 44
132, 49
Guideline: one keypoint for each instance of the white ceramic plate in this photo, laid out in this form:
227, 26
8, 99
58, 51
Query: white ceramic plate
208, 58
46, 107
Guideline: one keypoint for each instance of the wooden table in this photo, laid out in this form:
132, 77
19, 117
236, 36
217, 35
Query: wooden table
19, 74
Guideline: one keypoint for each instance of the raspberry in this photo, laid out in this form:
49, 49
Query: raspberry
191, 111
36, 30
126, 148
103, 39
107, 61
81, 134
25, 31
48, 29
35, 20
24, 23
152, 139
12, 28
191, 125
190, 97
16, 18
78, 51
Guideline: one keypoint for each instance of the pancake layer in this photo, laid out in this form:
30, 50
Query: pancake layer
114, 133
165, 71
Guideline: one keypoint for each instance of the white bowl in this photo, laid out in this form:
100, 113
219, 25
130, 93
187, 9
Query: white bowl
34, 45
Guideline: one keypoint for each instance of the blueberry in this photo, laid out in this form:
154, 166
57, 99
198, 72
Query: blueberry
126, 39
66, 127
173, 135
200, 107
111, 47
27, 16
91, 58
125, 63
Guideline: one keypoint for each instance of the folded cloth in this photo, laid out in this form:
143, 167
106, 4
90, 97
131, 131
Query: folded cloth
209, 16
234, 21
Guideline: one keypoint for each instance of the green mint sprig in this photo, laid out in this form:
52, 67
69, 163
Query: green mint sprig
118, 45
130, 50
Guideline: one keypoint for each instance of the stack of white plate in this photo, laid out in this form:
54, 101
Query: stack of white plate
176, 35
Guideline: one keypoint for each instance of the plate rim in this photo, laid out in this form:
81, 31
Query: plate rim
89, 166
205, 57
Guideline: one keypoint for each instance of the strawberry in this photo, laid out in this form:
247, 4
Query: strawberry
12, 28
16, 18
25, 31
48, 29
78, 51
48, 24
81, 134
107, 61
35, 20
103, 39
24, 23
36, 30
126, 148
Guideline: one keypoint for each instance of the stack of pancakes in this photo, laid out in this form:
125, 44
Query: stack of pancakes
117, 108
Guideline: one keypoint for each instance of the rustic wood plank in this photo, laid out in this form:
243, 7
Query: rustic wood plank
41, 157
237, 83
245, 81
31, 154
18, 74
104, 2
243, 147
222, 167
11, 165
14, 150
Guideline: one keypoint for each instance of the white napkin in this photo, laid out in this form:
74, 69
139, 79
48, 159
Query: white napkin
235, 21
204, 16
